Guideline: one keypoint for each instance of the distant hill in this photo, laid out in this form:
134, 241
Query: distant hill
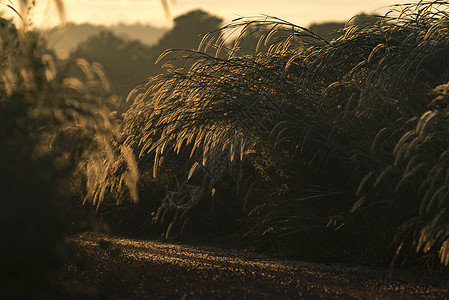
64, 40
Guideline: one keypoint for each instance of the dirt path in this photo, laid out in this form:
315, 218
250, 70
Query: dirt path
103, 267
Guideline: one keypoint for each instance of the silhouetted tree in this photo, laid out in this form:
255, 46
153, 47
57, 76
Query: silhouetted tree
364, 19
328, 31
332, 30
126, 62
188, 30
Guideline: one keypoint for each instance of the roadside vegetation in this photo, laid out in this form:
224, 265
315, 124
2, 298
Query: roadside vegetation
328, 150
57, 131
297, 145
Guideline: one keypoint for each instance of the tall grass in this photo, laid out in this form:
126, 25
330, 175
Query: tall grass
57, 130
336, 150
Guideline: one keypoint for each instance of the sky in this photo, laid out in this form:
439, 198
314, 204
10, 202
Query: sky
299, 12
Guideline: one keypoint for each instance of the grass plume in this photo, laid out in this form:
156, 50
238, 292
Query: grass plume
342, 141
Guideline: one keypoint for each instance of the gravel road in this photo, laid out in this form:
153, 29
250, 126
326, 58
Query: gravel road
105, 267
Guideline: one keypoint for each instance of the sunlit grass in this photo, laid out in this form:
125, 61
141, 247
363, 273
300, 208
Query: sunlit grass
343, 141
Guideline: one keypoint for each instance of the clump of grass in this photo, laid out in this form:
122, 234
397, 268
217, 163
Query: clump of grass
55, 121
332, 150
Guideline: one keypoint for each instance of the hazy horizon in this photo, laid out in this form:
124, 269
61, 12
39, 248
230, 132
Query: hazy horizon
300, 12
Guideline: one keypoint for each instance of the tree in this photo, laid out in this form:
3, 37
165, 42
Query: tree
329, 30
188, 30
126, 62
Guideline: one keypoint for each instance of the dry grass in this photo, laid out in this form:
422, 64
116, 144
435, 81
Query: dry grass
56, 126
342, 141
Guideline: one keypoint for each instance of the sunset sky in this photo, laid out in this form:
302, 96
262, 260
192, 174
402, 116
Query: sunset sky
300, 12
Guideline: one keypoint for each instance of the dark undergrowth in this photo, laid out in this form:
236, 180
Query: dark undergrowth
57, 131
